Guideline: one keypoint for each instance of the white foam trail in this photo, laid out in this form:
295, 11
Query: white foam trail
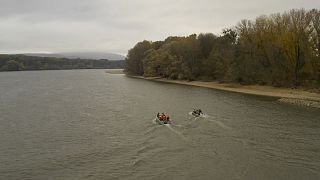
173, 130
206, 116
195, 119
151, 130
136, 162
176, 132
86, 114
154, 121
177, 125
203, 115
220, 124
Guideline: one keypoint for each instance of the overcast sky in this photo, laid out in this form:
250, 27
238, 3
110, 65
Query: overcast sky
116, 25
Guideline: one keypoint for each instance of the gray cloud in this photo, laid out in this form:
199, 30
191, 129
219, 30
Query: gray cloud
116, 25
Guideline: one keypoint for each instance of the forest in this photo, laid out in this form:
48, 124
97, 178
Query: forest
281, 49
23, 62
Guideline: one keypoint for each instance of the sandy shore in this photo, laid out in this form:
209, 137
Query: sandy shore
286, 95
114, 71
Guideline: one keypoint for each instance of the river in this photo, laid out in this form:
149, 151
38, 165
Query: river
87, 124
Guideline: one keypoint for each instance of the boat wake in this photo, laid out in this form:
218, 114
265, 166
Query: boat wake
194, 118
201, 116
221, 124
208, 118
176, 132
170, 127
154, 121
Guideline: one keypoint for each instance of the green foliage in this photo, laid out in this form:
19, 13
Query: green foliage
207, 41
134, 64
279, 50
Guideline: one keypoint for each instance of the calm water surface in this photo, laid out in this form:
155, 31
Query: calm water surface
86, 124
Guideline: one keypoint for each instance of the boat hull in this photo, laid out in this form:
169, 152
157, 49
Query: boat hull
196, 115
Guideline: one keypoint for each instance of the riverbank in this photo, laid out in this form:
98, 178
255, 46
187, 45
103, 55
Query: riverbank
285, 95
114, 71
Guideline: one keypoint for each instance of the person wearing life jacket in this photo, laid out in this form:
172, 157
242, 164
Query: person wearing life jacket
164, 117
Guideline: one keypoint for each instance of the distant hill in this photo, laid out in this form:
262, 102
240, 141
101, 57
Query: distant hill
80, 55
21, 62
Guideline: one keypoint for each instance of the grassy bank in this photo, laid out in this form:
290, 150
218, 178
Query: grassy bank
286, 95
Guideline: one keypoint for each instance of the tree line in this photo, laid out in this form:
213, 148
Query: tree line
278, 50
23, 62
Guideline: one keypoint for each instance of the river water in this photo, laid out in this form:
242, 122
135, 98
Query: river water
87, 124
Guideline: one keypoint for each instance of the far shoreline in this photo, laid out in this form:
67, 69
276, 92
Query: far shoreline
292, 96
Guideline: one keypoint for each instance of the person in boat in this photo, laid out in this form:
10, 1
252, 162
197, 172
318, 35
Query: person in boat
162, 117
158, 115
197, 111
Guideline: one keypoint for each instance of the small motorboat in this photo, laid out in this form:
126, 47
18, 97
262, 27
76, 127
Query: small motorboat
197, 112
161, 122
165, 120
